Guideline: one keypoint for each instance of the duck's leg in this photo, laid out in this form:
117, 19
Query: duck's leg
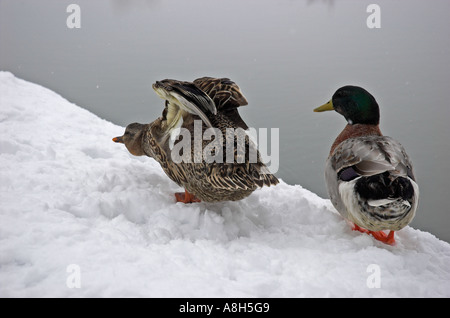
186, 197
390, 238
378, 235
358, 228
383, 237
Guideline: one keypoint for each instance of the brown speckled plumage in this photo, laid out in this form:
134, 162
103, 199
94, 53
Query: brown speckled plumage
210, 182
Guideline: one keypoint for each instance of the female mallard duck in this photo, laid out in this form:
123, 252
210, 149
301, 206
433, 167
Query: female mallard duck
212, 102
369, 176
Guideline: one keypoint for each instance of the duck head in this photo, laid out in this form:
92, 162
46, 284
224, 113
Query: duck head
132, 138
356, 104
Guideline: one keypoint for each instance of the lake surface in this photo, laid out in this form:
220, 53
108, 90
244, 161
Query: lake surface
287, 56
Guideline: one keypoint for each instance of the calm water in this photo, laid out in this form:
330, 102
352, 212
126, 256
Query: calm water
287, 56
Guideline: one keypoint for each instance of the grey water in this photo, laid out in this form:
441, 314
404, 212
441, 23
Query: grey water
288, 57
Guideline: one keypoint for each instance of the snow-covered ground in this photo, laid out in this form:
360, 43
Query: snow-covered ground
80, 217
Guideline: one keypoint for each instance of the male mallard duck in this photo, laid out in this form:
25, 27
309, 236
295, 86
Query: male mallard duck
213, 102
369, 176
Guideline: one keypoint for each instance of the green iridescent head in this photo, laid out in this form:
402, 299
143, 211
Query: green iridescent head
356, 104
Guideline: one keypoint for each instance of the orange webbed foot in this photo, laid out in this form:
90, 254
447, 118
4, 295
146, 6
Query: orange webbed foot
186, 197
378, 235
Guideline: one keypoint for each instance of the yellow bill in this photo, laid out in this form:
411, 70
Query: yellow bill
325, 107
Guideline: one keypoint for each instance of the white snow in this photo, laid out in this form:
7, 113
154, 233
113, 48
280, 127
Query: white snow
69, 195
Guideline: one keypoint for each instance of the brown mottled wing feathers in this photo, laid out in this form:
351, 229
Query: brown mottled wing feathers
224, 92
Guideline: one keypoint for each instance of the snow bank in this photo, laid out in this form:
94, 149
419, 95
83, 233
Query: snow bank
69, 195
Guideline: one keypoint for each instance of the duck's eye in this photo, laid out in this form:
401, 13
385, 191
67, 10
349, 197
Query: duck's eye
342, 94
